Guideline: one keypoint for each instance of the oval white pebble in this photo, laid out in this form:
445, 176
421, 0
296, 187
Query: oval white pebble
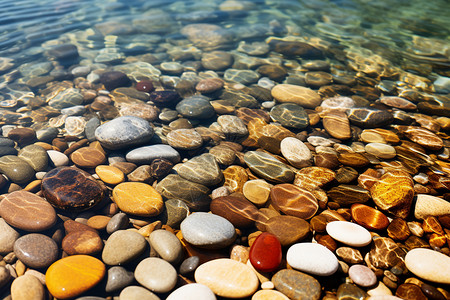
349, 233
312, 258
192, 291
429, 265
362, 275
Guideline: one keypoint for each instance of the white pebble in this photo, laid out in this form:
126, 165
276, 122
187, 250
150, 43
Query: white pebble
349, 233
312, 258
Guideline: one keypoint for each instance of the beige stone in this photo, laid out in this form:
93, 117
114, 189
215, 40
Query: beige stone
427, 205
429, 265
300, 95
27, 287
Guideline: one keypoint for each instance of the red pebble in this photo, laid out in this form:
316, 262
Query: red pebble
145, 86
265, 253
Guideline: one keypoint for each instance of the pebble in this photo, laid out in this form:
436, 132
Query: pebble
297, 285
156, 274
73, 275
138, 198
192, 291
57, 158
429, 265
5, 276
290, 115
147, 154
27, 211
369, 217
167, 245
427, 205
122, 247
16, 169
82, 242
109, 174
269, 295
294, 201
124, 132
349, 255
362, 275
114, 79
118, 278
268, 167
117, 222
209, 85
35, 156
202, 169
296, 152
312, 258
233, 127
265, 253
36, 250
137, 292
239, 211
336, 124
8, 235
195, 107
349, 233
256, 191
227, 278
71, 189
380, 150
288, 229
88, 157
207, 231
184, 139
299, 95
27, 287
189, 265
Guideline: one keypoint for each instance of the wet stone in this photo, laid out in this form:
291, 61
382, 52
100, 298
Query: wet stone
27, 211
233, 127
355, 160
346, 195
71, 189
312, 258
287, 229
109, 174
82, 242
296, 152
223, 155
398, 102
398, 229
16, 169
189, 265
274, 72
256, 191
137, 198
380, 150
114, 79
118, 278
209, 85
368, 118
36, 250
235, 178
195, 195
146, 154
8, 236
184, 139
66, 98
385, 254
362, 275
175, 212
122, 247
349, 233
88, 157
369, 217
336, 124
202, 169
290, 115
318, 78
144, 86
140, 174
239, 211
227, 278
297, 285
156, 274
265, 253
160, 167
23, 136
350, 291
167, 245
302, 96
349, 255
124, 132
294, 201
27, 287
245, 77
268, 167
164, 98
410, 291
73, 275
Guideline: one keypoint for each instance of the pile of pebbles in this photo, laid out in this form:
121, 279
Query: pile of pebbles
230, 176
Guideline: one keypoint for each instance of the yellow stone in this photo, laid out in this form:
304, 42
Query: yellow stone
73, 275
110, 174
138, 198
269, 295
257, 191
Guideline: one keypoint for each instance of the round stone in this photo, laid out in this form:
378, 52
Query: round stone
362, 275
227, 278
208, 231
36, 250
144, 86
118, 278
57, 158
8, 236
167, 245
5, 276
35, 156
427, 205
27, 287
195, 107
109, 174
268, 167
290, 115
88, 157
156, 274
202, 169
256, 191
217, 60
147, 154
124, 132
122, 247
138, 198
114, 79
265, 253
117, 222
137, 292
369, 118
245, 77
336, 123
209, 85
71, 189
296, 152
369, 217
73, 275
380, 150
287, 229
16, 169
269, 294
192, 291
300, 95
27, 211
312, 258
429, 265
297, 285
233, 127
82, 242
239, 211
294, 201
184, 139
189, 265
349, 233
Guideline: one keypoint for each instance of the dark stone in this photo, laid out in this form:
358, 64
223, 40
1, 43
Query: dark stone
160, 167
71, 189
114, 79
293, 48
65, 52
145, 86
189, 265
164, 98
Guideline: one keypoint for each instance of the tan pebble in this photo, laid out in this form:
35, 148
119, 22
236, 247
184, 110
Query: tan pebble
257, 191
27, 287
227, 278
380, 290
36, 274
138, 199
98, 222
137, 292
20, 268
262, 276
239, 253
269, 295
149, 228
109, 174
